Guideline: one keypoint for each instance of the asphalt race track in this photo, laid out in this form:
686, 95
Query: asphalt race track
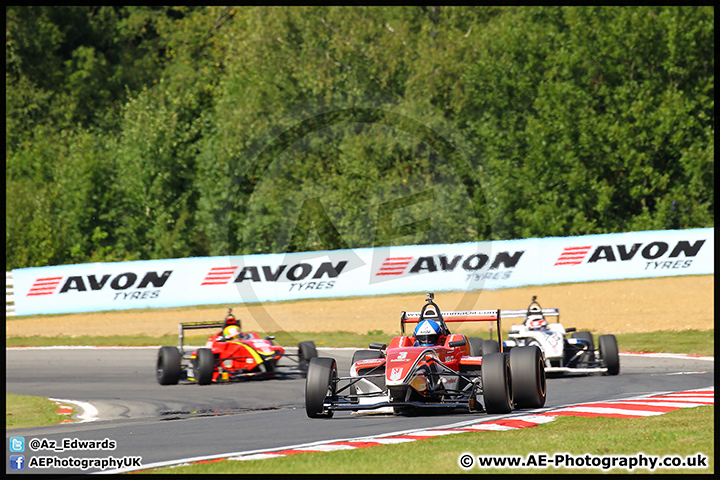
166, 423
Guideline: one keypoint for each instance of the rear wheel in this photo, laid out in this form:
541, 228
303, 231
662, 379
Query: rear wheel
204, 366
528, 377
319, 385
490, 346
609, 353
306, 352
534, 343
168, 366
496, 381
589, 355
475, 346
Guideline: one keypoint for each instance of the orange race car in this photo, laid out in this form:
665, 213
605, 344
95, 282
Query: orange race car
229, 355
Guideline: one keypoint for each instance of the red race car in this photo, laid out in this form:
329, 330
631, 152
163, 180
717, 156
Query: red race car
430, 369
229, 355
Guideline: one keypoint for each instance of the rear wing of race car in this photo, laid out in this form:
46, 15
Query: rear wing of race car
229, 320
196, 326
458, 316
547, 312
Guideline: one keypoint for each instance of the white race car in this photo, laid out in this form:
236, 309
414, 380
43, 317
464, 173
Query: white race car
576, 354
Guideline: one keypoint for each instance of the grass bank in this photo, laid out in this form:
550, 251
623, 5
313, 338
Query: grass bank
693, 342
23, 411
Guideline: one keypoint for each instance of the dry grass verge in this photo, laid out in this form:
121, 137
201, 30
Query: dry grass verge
625, 306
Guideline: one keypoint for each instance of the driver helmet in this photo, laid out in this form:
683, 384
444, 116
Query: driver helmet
427, 332
537, 323
231, 332
535, 319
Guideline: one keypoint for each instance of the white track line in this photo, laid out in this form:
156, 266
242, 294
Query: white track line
89, 412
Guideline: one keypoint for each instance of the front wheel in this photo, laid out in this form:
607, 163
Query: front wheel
168, 366
528, 377
204, 366
497, 383
609, 353
319, 385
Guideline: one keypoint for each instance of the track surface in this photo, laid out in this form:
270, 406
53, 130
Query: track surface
163, 423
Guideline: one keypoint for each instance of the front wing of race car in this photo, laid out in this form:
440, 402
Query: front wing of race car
360, 391
382, 400
367, 386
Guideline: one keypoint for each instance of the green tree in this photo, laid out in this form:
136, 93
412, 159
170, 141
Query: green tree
581, 121
153, 132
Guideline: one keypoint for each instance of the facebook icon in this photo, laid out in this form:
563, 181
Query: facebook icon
17, 462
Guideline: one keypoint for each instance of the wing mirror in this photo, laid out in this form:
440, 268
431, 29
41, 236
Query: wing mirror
458, 343
377, 346
571, 329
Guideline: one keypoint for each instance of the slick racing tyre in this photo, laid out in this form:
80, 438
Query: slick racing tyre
306, 351
319, 385
204, 366
528, 377
168, 366
609, 353
497, 383
476, 345
490, 346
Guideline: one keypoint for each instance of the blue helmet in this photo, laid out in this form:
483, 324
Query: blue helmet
427, 332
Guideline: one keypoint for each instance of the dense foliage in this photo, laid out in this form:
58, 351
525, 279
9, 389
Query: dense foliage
167, 132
